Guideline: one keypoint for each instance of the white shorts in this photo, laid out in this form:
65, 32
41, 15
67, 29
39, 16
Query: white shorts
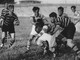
50, 38
33, 32
77, 27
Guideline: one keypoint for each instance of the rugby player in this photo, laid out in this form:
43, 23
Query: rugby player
76, 15
46, 36
75, 18
3, 13
10, 19
38, 21
68, 26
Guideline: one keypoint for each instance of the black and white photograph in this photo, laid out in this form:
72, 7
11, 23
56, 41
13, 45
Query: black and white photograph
39, 29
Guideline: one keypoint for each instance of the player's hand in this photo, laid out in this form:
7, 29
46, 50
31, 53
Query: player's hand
1, 23
33, 23
16, 24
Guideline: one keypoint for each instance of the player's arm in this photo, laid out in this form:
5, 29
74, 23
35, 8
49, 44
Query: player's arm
44, 30
1, 21
75, 18
16, 21
57, 27
38, 35
3, 14
2, 17
45, 20
32, 20
52, 29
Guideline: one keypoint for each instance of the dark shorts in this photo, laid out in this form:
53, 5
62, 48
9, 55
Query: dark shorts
69, 31
9, 28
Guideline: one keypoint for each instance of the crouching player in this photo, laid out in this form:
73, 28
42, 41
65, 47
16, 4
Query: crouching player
69, 29
46, 36
38, 21
9, 21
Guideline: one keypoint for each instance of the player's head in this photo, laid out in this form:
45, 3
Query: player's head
73, 8
53, 16
36, 10
60, 11
11, 8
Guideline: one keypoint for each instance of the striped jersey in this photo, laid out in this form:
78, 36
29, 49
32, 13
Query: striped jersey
63, 21
9, 19
4, 12
39, 20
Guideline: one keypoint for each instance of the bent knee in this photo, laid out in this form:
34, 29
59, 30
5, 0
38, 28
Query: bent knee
70, 43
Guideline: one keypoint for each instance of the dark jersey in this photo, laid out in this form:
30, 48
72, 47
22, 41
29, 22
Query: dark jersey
9, 19
63, 21
3, 13
39, 20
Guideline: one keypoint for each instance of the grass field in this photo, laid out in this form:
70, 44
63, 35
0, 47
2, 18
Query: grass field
18, 52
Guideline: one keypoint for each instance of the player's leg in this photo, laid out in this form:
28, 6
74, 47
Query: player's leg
29, 41
12, 39
4, 34
11, 31
70, 35
46, 46
31, 37
59, 40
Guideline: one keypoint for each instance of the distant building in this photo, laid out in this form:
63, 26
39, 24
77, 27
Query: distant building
27, 1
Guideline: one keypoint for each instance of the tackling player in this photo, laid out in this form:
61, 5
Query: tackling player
68, 29
38, 21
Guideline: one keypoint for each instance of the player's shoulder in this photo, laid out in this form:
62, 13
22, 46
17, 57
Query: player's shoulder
41, 15
4, 9
77, 12
65, 15
14, 14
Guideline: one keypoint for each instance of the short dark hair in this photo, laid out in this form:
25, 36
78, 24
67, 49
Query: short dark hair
73, 7
10, 6
53, 14
61, 8
35, 8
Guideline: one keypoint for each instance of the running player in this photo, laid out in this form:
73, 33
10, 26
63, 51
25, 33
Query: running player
9, 21
38, 21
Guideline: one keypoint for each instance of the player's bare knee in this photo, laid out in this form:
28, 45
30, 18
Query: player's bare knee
70, 43
4, 35
39, 43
